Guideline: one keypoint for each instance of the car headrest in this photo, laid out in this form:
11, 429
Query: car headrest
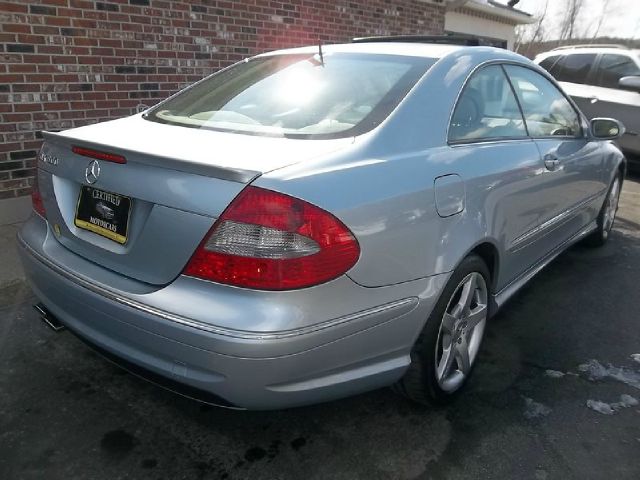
470, 108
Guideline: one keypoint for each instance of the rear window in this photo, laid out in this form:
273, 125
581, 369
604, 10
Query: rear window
300, 96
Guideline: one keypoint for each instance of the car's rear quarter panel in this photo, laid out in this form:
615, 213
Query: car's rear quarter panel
384, 189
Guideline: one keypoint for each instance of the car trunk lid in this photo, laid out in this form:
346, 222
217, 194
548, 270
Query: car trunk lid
178, 180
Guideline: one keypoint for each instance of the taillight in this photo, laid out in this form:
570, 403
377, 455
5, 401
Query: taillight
271, 241
36, 198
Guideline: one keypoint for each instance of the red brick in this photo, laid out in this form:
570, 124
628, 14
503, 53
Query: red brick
10, 147
50, 49
57, 21
31, 39
11, 78
45, 30
39, 78
7, 38
22, 67
27, 107
13, 7
16, 28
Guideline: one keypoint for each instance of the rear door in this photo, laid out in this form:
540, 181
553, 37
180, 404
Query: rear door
609, 100
574, 176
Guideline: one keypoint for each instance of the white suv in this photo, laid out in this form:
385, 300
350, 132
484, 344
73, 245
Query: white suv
604, 80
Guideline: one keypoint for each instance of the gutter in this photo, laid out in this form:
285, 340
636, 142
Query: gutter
493, 8
453, 4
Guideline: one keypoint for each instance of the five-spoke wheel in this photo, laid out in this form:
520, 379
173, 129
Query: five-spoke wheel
461, 332
607, 214
446, 350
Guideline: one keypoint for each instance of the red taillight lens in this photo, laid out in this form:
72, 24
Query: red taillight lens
271, 241
36, 198
107, 157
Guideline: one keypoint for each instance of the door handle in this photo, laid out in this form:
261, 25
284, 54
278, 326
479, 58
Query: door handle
593, 99
551, 162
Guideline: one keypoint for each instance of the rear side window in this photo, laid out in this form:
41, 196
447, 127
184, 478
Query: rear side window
613, 67
487, 109
574, 68
298, 96
546, 110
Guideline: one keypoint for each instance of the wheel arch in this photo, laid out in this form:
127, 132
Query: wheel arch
488, 251
622, 168
489, 254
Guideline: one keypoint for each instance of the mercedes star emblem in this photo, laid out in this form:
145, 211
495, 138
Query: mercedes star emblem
92, 172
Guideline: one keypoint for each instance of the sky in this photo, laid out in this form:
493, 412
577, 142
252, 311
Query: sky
622, 18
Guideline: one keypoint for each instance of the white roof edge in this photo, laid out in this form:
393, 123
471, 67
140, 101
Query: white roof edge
583, 49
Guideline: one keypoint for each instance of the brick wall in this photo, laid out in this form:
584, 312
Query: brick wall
67, 63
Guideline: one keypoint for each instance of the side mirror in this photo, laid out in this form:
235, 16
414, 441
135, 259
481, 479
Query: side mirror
630, 83
606, 128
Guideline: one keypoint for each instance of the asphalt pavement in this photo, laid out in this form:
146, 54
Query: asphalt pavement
553, 397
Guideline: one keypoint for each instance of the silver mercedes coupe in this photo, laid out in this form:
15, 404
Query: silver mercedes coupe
312, 223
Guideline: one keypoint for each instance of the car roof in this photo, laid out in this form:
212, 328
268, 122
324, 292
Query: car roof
435, 51
427, 50
594, 50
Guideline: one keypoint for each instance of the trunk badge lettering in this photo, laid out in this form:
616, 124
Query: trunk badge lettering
50, 159
92, 172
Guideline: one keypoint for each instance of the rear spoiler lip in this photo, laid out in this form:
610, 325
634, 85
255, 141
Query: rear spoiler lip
213, 171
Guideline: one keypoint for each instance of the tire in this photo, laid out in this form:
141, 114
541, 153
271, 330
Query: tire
607, 215
427, 380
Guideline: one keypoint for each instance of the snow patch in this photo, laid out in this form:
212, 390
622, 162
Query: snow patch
554, 373
626, 401
533, 409
600, 407
596, 371
636, 357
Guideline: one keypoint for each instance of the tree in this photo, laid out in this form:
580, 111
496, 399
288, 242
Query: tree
605, 9
531, 34
569, 22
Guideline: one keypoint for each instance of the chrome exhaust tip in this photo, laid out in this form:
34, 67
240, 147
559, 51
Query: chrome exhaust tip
48, 318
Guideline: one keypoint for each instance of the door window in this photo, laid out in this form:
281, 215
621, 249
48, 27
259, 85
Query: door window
549, 62
613, 67
574, 68
487, 109
547, 111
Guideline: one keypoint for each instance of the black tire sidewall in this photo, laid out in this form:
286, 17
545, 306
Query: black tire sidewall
600, 236
425, 353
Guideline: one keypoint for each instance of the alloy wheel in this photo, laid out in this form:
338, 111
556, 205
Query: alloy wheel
612, 206
461, 331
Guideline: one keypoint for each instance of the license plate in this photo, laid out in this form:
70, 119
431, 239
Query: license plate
104, 213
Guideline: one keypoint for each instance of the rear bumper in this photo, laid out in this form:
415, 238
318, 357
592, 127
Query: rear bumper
146, 330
